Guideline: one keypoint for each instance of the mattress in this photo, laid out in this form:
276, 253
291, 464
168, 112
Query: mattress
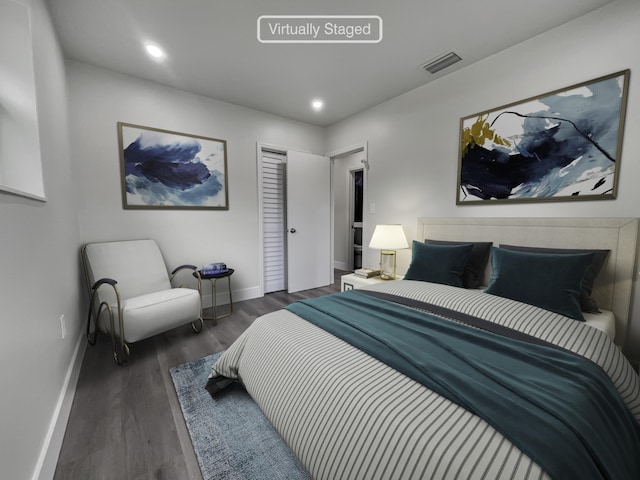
604, 321
347, 415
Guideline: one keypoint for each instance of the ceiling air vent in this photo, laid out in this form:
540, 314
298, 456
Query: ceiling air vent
441, 62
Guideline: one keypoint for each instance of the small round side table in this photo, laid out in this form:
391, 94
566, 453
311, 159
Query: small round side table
214, 304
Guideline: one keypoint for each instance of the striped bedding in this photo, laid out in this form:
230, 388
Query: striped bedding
348, 416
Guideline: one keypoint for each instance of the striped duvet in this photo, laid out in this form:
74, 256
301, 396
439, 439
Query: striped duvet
348, 416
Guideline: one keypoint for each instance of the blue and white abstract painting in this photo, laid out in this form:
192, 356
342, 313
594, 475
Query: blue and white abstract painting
162, 169
564, 145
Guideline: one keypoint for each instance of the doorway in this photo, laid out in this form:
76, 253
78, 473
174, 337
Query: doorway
295, 220
274, 240
350, 170
356, 205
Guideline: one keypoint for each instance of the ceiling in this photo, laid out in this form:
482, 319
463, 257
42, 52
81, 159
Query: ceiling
212, 47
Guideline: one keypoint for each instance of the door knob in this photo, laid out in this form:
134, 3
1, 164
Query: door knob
292, 230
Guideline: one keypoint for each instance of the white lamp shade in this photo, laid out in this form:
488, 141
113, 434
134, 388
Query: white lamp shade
389, 237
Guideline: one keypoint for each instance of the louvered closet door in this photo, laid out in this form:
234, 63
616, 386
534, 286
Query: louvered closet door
273, 178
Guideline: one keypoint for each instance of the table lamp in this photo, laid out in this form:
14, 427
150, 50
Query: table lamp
388, 238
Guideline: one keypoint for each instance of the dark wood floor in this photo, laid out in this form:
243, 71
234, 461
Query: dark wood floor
126, 422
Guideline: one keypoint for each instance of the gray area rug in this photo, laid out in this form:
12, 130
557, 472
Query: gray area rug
231, 436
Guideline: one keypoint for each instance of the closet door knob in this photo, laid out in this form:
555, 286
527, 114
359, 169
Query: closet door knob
292, 230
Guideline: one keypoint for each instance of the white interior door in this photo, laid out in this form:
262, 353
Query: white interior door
308, 185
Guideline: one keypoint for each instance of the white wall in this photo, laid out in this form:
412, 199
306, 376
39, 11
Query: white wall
100, 98
412, 148
39, 279
413, 139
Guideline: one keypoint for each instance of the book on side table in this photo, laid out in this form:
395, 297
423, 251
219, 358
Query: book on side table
213, 269
366, 272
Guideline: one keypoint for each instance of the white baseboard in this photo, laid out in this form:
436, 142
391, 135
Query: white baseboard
340, 265
223, 297
48, 459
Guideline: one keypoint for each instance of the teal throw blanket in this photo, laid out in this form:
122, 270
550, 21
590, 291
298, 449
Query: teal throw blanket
557, 407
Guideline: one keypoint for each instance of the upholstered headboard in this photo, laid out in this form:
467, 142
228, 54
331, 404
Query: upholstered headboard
613, 288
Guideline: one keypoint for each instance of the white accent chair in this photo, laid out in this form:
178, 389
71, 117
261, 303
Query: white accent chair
131, 295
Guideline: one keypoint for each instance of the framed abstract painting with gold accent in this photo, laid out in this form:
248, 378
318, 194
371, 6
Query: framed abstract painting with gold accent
161, 169
559, 146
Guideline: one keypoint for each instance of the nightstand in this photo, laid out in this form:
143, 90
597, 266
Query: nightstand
351, 281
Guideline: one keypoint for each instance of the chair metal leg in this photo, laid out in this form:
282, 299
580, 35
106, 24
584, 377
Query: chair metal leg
92, 337
197, 325
120, 348
123, 356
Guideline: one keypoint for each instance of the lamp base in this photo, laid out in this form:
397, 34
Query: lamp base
388, 264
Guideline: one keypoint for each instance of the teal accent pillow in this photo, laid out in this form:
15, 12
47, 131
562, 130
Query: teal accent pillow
476, 263
587, 303
438, 263
547, 280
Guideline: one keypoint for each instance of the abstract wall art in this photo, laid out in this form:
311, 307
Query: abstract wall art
559, 146
161, 169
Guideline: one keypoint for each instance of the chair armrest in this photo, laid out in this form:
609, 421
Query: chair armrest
102, 281
181, 267
105, 281
100, 304
195, 273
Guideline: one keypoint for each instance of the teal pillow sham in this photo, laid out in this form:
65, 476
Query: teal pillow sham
476, 263
438, 263
547, 280
587, 303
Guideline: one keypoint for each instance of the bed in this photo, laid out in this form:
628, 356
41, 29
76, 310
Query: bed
420, 378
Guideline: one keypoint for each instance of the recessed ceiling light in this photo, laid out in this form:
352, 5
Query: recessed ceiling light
154, 51
317, 105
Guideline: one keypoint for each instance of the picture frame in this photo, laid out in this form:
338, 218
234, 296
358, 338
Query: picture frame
162, 169
559, 146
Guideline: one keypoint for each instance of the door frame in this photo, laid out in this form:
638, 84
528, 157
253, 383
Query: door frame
283, 150
336, 155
